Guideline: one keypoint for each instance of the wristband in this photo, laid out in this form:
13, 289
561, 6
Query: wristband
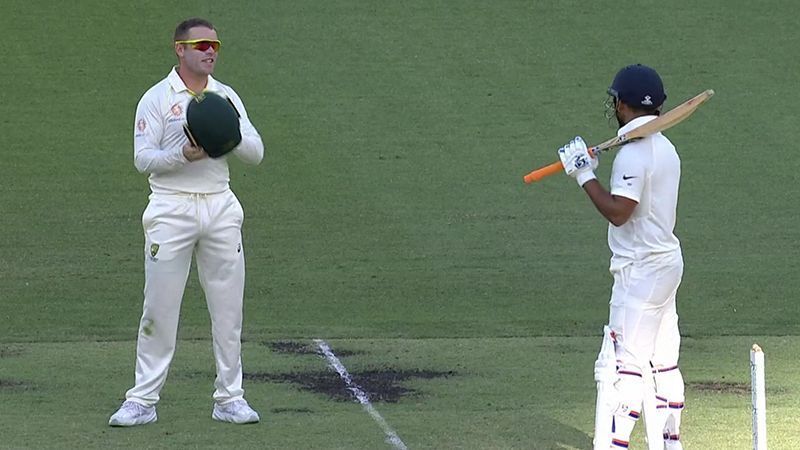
585, 177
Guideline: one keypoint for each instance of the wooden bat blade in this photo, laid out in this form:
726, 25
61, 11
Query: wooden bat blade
663, 122
669, 119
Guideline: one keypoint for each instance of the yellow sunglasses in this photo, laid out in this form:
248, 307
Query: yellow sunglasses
202, 44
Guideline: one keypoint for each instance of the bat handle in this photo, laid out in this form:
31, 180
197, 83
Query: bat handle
542, 172
551, 169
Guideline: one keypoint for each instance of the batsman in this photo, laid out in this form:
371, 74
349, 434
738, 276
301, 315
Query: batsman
637, 368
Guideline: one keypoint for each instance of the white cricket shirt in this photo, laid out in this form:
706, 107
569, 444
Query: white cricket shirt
158, 140
647, 171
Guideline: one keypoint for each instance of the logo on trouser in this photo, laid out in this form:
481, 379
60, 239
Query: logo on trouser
147, 327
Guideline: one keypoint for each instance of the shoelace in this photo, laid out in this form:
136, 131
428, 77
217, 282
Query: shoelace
133, 407
236, 407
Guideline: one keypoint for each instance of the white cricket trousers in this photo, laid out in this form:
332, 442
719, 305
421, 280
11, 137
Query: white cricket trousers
175, 227
644, 321
643, 312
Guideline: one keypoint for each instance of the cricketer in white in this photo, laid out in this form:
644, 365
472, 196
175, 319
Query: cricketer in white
192, 211
637, 368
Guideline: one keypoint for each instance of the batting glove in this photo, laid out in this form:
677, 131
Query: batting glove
577, 161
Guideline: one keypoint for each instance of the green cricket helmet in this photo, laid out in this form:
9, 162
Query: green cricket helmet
212, 123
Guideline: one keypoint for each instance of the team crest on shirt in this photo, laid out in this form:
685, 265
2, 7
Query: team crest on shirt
176, 110
141, 125
154, 251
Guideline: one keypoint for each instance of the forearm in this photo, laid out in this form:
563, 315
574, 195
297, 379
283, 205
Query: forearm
616, 210
251, 149
151, 160
148, 139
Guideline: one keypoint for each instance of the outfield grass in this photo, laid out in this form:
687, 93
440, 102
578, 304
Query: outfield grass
390, 216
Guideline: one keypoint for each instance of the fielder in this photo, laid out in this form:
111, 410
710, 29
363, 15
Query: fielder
191, 211
637, 368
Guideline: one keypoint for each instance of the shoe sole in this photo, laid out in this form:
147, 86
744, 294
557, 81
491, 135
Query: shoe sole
220, 418
120, 424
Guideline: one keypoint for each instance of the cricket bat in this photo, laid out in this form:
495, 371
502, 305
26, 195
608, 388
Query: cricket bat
660, 123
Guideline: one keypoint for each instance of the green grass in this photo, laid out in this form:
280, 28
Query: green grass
390, 214
526, 392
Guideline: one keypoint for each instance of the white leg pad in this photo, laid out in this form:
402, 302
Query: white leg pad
670, 398
653, 422
605, 374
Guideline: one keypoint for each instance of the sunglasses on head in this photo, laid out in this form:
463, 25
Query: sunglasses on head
202, 44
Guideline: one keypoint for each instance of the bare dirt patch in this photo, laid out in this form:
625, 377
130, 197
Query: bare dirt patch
300, 348
724, 387
9, 351
14, 385
381, 385
291, 411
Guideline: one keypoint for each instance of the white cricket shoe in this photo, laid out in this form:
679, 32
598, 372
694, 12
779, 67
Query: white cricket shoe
237, 411
132, 414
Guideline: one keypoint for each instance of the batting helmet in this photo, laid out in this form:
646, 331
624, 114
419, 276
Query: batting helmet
213, 123
638, 86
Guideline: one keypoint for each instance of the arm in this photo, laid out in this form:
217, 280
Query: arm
251, 149
148, 157
579, 164
616, 209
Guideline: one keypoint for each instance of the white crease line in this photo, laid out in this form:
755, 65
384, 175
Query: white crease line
391, 437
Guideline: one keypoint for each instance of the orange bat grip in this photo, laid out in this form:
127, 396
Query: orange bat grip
542, 172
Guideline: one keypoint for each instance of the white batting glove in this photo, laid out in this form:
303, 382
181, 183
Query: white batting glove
577, 161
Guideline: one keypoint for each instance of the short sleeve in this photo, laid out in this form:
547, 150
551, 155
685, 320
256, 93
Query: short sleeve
628, 175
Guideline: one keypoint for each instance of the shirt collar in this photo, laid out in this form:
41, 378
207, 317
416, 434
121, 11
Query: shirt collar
639, 121
178, 85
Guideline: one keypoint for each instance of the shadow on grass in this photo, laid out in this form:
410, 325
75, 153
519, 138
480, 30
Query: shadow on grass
559, 436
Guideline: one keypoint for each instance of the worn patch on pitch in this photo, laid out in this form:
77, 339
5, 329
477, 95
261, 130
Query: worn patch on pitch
291, 411
10, 352
14, 385
725, 387
381, 385
300, 348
